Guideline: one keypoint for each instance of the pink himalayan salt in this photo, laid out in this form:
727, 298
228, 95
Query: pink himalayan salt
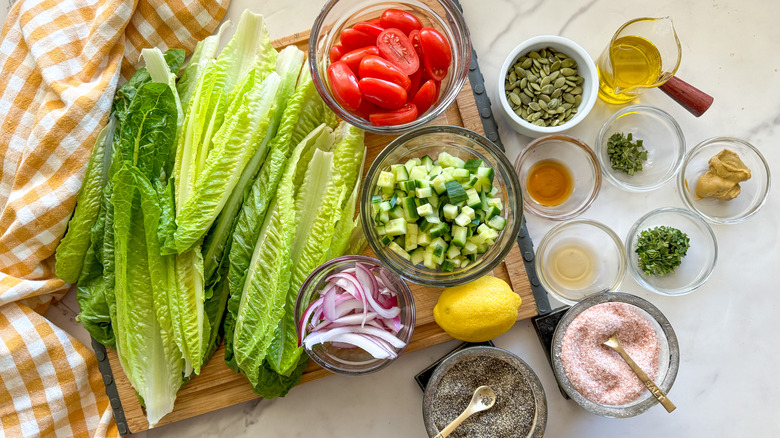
598, 372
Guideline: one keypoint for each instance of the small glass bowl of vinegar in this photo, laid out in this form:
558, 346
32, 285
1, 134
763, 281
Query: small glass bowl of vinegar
560, 177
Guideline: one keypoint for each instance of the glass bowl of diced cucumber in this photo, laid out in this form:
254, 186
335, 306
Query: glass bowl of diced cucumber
441, 206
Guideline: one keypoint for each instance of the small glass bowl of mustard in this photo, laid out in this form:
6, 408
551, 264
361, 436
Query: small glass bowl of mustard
722, 204
560, 177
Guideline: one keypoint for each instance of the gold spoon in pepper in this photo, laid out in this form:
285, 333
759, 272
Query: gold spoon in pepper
614, 344
483, 399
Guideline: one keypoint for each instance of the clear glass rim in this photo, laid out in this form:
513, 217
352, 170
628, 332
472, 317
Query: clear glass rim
458, 77
554, 232
681, 188
606, 410
539, 142
590, 67
671, 173
507, 174
632, 233
330, 265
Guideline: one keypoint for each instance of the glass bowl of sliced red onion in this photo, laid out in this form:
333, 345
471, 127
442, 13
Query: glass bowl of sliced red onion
354, 316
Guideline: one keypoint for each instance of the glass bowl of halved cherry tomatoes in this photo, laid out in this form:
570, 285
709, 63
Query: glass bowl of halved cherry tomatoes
388, 67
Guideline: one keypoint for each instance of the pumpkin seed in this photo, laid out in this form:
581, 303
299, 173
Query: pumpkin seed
523, 82
515, 99
525, 99
528, 92
537, 64
517, 91
534, 55
527, 63
547, 89
568, 63
545, 81
552, 104
566, 71
555, 66
509, 86
568, 97
576, 90
535, 106
544, 97
560, 82
543, 105
536, 86
556, 93
532, 78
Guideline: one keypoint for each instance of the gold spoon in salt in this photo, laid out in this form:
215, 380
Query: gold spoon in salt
614, 344
483, 399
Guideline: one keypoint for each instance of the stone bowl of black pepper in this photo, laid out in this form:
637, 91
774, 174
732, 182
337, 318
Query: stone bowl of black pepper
521, 406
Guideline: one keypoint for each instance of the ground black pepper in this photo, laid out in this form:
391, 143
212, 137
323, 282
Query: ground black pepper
514, 413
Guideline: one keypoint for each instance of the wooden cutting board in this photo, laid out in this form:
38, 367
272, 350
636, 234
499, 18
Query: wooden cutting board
217, 386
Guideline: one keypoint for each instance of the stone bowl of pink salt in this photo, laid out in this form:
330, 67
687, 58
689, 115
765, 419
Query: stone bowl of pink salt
596, 377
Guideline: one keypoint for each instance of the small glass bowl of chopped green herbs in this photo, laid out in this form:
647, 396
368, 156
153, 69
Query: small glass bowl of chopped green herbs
441, 206
671, 251
640, 148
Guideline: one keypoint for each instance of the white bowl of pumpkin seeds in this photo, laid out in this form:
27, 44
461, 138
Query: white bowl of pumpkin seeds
548, 84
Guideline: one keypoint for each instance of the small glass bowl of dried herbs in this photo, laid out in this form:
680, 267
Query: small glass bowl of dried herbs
640, 148
671, 251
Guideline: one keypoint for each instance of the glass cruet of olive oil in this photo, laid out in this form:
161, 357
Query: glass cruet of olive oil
643, 53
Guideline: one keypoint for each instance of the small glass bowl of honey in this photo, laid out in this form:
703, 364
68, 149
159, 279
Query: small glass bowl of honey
560, 177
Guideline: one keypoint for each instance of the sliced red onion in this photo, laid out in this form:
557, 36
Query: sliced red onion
356, 309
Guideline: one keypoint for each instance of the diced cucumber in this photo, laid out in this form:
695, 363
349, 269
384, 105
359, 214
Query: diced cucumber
376, 199
494, 191
462, 219
453, 252
497, 222
455, 192
400, 172
469, 248
380, 230
424, 238
496, 202
434, 200
460, 174
486, 172
439, 246
410, 241
386, 180
459, 235
396, 212
385, 206
492, 212
450, 212
468, 211
396, 227
424, 192
410, 209
447, 266
422, 183
408, 186
439, 184
425, 210
427, 162
418, 255
472, 165
396, 248
481, 249
473, 199
439, 230
428, 259
418, 172
411, 163
383, 217
435, 170
428, 222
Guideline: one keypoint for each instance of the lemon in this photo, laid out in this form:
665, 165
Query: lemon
477, 311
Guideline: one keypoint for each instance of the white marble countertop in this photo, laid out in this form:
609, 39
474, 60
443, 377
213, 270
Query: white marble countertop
727, 329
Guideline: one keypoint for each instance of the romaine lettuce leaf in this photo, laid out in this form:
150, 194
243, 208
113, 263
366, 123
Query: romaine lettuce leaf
205, 51
261, 301
234, 145
73, 247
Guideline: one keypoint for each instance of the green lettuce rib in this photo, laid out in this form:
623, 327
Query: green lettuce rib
205, 51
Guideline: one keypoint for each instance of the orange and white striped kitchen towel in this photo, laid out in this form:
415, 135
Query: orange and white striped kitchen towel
60, 63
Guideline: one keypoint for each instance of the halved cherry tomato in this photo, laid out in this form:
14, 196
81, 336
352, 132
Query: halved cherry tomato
353, 39
437, 54
344, 85
398, 19
415, 80
426, 96
371, 29
405, 114
395, 47
383, 93
414, 37
336, 52
353, 58
380, 68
